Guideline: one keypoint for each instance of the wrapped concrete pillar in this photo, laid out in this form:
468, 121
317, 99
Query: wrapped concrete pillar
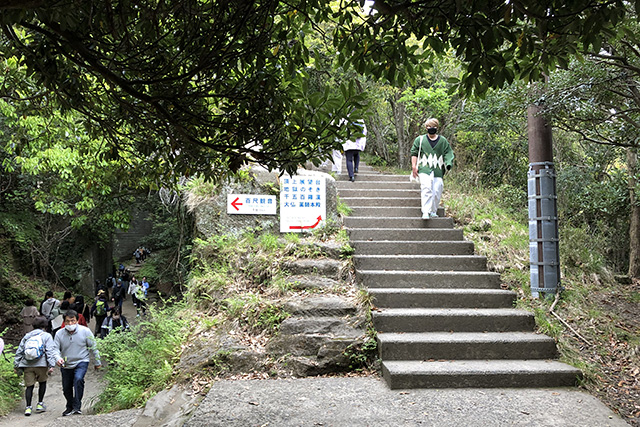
544, 255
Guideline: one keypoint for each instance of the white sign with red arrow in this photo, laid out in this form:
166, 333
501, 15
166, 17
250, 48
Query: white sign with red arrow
251, 204
303, 203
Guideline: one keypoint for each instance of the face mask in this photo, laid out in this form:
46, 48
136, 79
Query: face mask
71, 328
432, 131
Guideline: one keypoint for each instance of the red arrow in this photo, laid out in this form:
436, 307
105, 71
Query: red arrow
306, 227
235, 203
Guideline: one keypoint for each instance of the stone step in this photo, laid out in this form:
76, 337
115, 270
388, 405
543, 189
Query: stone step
442, 298
429, 279
362, 168
382, 201
392, 210
406, 234
408, 247
377, 185
397, 222
320, 306
421, 262
452, 319
353, 191
386, 211
465, 346
364, 175
478, 373
333, 326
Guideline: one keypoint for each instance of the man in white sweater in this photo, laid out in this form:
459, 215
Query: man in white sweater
73, 345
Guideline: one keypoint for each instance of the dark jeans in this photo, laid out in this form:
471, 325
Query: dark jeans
73, 384
99, 320
353, 159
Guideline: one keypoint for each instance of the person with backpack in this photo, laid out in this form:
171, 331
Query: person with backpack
115, 322
118, 294
82, 308
73, 346
99, 310
141, 299
145, 286
29, 313
48, 305
57, 320
35, 358
126, 277
133, 288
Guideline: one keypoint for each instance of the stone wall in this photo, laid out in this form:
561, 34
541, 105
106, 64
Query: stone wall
125, 242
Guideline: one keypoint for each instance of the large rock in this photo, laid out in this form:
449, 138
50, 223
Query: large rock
207, 350
322, 305
324, 267
210, 211
170, 408
296, 345
316, 338
312, 282
333, 326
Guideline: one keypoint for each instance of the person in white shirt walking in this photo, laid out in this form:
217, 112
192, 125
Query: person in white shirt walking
73, 346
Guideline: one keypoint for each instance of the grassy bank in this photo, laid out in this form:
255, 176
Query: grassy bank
596, 320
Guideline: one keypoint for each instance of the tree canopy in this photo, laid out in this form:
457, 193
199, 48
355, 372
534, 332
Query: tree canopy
205, 86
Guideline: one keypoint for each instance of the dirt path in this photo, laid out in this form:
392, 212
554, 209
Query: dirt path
54, 399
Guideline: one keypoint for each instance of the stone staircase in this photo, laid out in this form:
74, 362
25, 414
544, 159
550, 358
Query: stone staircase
442, 319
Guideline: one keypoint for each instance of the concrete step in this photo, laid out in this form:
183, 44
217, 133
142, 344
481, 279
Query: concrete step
442, 298
382, 201
408, 247
478, 373
452, 319
354, 191
369, 175
405, 234
397, 222
429, 279
377, 185
390, 210
386, 211
362, 168
421, 262
465, 346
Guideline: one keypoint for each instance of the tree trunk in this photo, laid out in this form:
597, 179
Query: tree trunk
375, 140
634, 221
398, 119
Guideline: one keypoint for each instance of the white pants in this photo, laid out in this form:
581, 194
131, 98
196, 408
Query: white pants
337, 161
430, 192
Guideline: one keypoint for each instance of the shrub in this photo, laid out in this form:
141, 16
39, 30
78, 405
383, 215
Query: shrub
140, 361
10, 388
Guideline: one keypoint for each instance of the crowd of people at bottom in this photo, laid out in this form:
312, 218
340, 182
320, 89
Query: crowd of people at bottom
58, 335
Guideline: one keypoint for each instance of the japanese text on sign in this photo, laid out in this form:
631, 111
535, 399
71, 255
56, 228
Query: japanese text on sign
251, 204
302, 203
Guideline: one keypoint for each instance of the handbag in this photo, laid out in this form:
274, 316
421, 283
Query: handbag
417, 178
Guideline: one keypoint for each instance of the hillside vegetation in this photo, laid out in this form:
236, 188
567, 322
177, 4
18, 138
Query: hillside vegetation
595, 320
